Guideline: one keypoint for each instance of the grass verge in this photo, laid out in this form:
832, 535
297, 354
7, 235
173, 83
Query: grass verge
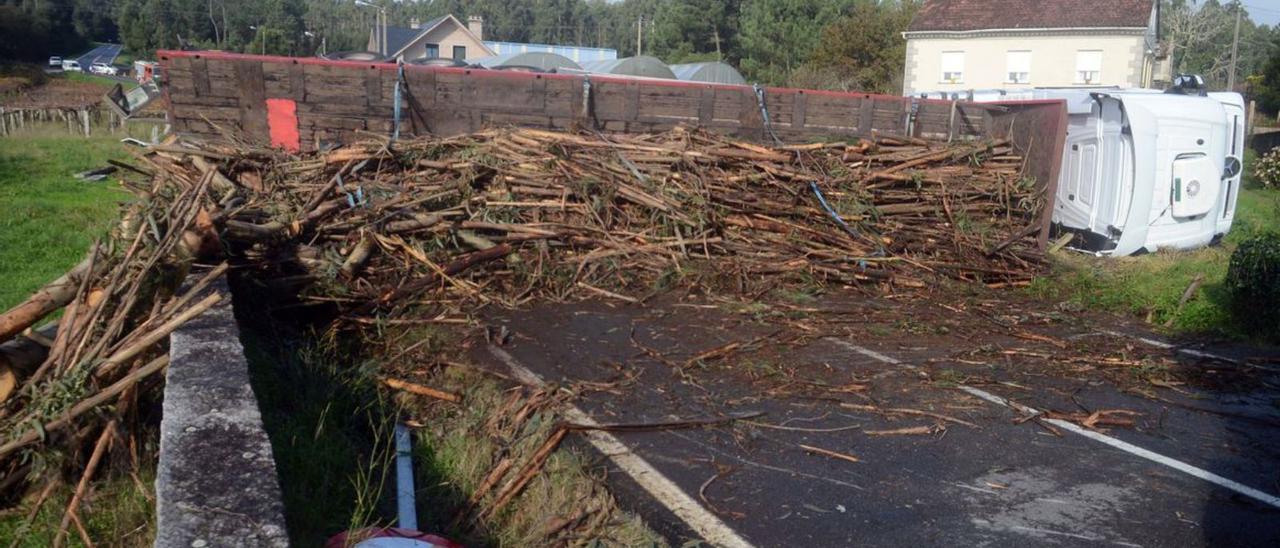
50, 220
117, 512
50, 217
1151, 286
330, 421
106, 83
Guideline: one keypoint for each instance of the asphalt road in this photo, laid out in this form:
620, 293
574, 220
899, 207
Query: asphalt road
105, 53
999, 478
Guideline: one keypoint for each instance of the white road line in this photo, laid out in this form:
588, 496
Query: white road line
1188, 351
870, 353
661, 488
1113, 442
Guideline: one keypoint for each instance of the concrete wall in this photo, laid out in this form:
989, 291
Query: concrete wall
1053, 60
216, 480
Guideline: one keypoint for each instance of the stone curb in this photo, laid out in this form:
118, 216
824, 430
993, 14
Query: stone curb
216, 483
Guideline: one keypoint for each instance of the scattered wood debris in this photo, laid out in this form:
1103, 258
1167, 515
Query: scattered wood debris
508, 216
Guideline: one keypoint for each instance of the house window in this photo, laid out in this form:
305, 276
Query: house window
1088, 67
1019, 67
952, 67
433, 50
460, 53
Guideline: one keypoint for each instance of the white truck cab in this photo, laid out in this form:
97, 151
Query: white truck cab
1144, 170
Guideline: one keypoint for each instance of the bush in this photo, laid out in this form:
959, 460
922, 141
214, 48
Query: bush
1266, 170
1253, 281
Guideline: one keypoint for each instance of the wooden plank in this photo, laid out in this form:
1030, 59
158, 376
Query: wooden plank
253, 107
664, 104
373, 86
563, 97
340, 108
799, 102
631, 105
749, 115
422, 84
706, 105
201, 112
609, 101
298, 82
779, 105
496, 119
728, 106
200, 76
866, 115
330, 122
276, 80
211, 101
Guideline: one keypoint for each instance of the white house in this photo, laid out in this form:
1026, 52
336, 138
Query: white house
956, 45
443, 36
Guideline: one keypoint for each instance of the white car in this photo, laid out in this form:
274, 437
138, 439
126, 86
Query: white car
103, 69
71, 66
55, 62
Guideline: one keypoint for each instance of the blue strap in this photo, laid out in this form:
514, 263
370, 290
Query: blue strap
395, 131
586, 97
840, 221
764, 112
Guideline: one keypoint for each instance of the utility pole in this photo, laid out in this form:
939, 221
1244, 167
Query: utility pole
639, 34
1235, 47
379, 24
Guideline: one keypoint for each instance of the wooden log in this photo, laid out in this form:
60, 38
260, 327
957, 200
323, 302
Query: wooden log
52, 296
414, 388
31, 436
20, 356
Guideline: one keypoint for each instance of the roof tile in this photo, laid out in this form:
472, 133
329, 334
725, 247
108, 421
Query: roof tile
965, 15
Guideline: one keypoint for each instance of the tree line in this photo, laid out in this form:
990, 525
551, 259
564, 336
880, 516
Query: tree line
831, 44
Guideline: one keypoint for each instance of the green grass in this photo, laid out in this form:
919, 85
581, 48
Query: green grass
125, 59
106, 83
330, 431
50, 218
116, 512
1150, 286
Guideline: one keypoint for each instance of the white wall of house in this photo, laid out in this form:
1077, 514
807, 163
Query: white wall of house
954, 62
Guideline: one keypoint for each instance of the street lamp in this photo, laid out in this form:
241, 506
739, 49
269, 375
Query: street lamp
312, 35
260, 31
382, 21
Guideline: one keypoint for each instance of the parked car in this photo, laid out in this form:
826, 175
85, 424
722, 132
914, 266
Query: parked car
55, 62
103, 69
71, 66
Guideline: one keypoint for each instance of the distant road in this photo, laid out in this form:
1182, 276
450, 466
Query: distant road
105, 53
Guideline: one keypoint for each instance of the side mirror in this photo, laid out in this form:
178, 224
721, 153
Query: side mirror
1231, 167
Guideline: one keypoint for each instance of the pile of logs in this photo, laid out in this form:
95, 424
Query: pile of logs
571, 212
504, 216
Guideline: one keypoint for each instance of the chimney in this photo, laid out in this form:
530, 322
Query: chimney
415, 23
475, 24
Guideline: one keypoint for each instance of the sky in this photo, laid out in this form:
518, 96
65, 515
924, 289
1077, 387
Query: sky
1266, 12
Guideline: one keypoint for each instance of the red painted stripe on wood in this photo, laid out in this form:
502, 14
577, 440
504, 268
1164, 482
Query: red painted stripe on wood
282, 121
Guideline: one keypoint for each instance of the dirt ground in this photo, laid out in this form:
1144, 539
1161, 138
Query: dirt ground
56, 93
876, 420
